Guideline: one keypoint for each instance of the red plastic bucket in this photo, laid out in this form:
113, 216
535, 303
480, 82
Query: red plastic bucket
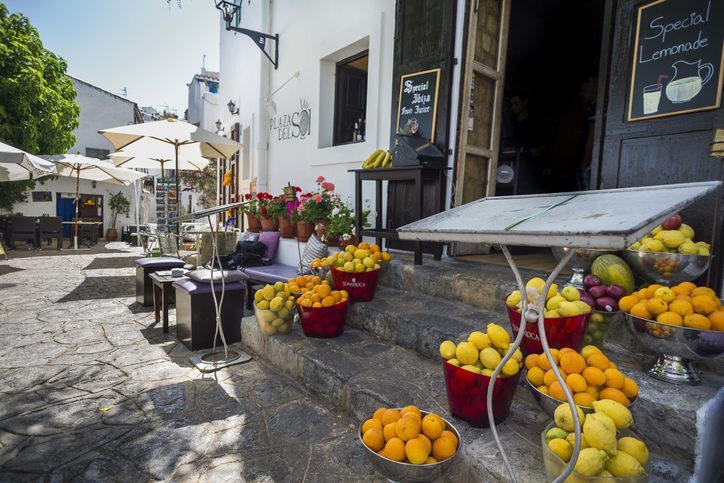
560, 331
323, 322
360, 285
467, 394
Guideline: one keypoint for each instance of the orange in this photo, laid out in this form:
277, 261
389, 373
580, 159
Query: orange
372, 423
536, 376
704, 304
378, 413
704, 291
337, 296
683, 297
656, 306
593, 391
316, 305
598, 360
584, 399
626, 302
531, 361
408, 428
390, 431
572, 363
430, 460
390, 416
688, 286
577, 382
665, 294
411, 409
374, 439
671, 318
681, 307
717, 320
651, 290
450, 435
594, 376
556, 391
641, 294
432, 426
316, 280
554, 353
364, 246
316, 298
323, 290
697, 321
679, 290
630, 388
309, 285
416, 451
328, 301
550, 377
640, 310
614, 395
543, 362
614, 378
564, 350
427, 442
374, 248
543, 389
443, 448
395, 449
386, 256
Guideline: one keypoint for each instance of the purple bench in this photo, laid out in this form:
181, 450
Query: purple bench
196, 314
144, 266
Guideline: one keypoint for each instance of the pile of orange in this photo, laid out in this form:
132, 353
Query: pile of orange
321, 295
303, 283
684, 305
589, 375
407, 436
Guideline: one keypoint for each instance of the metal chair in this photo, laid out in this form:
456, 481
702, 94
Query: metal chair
49, 228
22, 228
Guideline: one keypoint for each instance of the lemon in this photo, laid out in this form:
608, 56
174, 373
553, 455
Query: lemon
537, 283
263, 305
671, 238
466, 353
361, 254
551, 314
276, 303
554, 433
514, 298
553, 302
454, 362
447, 350
619, 414
471, 368
571, 293
498, 336
289, 304
635, 448
688, 248
279, 287
652, 245
623, 464
490, 358
360, 267
368, 262
348, 267
283, 313
259, 295
562, 448
601, 433
350, 249
277, 322
517, 355
268, 292
686, 231
564, 417
583, 307
568, 309
590, 461
511, 368
486, 372
479, 340
571, 438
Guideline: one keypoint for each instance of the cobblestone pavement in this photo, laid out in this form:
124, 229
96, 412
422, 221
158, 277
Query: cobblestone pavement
90, 390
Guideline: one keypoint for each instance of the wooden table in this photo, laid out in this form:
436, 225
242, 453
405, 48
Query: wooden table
416, 174
94, 239
162, 295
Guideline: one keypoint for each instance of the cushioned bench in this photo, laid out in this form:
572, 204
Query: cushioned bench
276, 272
144, 266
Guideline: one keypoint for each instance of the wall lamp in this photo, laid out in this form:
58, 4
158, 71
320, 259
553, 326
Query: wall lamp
232, 108
228, 10
218, 125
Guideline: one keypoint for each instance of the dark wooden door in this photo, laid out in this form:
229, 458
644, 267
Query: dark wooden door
424, 39
658, 151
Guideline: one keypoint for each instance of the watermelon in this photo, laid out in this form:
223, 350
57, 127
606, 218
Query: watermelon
612, 269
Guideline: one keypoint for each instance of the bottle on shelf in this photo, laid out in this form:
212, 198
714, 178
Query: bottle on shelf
358, 125
355, 132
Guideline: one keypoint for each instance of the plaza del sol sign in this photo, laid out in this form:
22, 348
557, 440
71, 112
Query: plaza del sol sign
294, 125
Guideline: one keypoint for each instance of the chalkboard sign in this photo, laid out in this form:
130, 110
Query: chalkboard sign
42, 196
677, 62
417, 108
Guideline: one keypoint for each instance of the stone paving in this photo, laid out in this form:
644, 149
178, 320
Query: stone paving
91, 390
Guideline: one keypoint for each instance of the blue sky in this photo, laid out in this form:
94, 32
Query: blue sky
147, 46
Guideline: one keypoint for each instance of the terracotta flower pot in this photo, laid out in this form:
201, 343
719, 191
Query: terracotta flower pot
268, 223
254, 223
321, 228
332, 242
286, 229
111, 234
304, 230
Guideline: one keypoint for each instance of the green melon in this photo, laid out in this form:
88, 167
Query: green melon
612, 269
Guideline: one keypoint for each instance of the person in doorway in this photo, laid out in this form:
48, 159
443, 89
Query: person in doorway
526, 135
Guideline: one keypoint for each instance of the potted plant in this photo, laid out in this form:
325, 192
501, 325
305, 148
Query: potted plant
288, 220
270, 208
317, 207
119, 204
251, 210
341, 225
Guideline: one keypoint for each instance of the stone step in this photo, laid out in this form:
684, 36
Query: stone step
356, 373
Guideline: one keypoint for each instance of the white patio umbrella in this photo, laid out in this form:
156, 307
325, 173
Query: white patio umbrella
79, 166
17, 165
165, 139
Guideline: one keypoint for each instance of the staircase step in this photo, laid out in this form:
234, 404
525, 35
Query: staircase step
357, 373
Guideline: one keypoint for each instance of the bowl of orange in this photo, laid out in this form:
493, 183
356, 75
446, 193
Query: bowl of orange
683, 324
590, 375
323, 311
409, 444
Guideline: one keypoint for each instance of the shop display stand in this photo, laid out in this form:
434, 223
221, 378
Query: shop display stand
606, 219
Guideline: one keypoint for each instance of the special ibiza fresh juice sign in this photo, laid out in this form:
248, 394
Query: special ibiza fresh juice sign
677, 59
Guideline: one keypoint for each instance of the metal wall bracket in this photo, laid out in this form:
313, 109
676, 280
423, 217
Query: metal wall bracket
228, 11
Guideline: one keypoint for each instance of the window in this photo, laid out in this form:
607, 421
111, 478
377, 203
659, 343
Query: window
350, 99
97, 153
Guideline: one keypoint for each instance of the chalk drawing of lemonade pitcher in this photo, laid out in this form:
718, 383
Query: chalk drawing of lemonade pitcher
687, 80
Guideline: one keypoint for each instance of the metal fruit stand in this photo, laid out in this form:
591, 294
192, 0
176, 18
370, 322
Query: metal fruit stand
605, 219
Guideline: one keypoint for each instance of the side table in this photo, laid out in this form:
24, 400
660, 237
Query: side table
162, 289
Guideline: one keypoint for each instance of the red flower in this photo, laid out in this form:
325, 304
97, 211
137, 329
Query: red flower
297, 189
320, 180
247, 196
328, 186
263, 210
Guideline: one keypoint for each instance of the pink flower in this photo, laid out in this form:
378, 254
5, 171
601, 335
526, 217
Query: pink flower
328, 186
317, 198
320, 180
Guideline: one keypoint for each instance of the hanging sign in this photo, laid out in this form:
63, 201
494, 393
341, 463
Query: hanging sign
292, 125
678, 60
417, 106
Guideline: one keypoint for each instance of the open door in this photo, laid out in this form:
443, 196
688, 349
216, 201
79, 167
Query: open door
481, 104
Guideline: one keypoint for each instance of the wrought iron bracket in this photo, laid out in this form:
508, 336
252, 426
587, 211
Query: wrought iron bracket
228, 10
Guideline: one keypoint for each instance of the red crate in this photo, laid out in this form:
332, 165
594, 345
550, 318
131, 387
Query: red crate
360, 285
323, 322
560, 332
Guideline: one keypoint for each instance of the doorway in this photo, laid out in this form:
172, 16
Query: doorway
550, 91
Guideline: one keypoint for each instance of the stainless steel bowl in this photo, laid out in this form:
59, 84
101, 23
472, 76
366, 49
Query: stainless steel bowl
580, 263
666, 268
549, 404
396, 471
677, 347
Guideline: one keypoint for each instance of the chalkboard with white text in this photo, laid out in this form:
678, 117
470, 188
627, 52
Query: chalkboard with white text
677, 60
417, 108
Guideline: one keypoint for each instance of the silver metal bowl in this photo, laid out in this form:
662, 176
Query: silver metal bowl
580, 263
549, 404
666, 268
677, 348
403, 472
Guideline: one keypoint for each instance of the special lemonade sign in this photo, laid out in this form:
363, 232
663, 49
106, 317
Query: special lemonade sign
417, 107
678, 60
295, 125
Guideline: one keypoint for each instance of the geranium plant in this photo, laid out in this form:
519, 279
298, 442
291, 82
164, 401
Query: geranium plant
251, 208
341, 221
319, 205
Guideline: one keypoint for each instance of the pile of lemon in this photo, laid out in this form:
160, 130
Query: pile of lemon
482, 352
360, 258
567, 303
684, 305
680, 240
322, 295
589, 375
275, 304
407, 436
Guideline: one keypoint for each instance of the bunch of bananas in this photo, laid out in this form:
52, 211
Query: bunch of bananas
378, 159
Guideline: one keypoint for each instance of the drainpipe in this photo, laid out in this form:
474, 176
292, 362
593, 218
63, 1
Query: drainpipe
262, 147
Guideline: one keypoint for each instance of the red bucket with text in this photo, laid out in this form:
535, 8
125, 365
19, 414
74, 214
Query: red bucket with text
360, 285
560, 331
467, 394
323, 322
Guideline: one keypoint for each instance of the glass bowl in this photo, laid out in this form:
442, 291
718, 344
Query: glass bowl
554, 465
666, 268
274, 323
599, 324
549, 404
677, 347
399, 471
560, 332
